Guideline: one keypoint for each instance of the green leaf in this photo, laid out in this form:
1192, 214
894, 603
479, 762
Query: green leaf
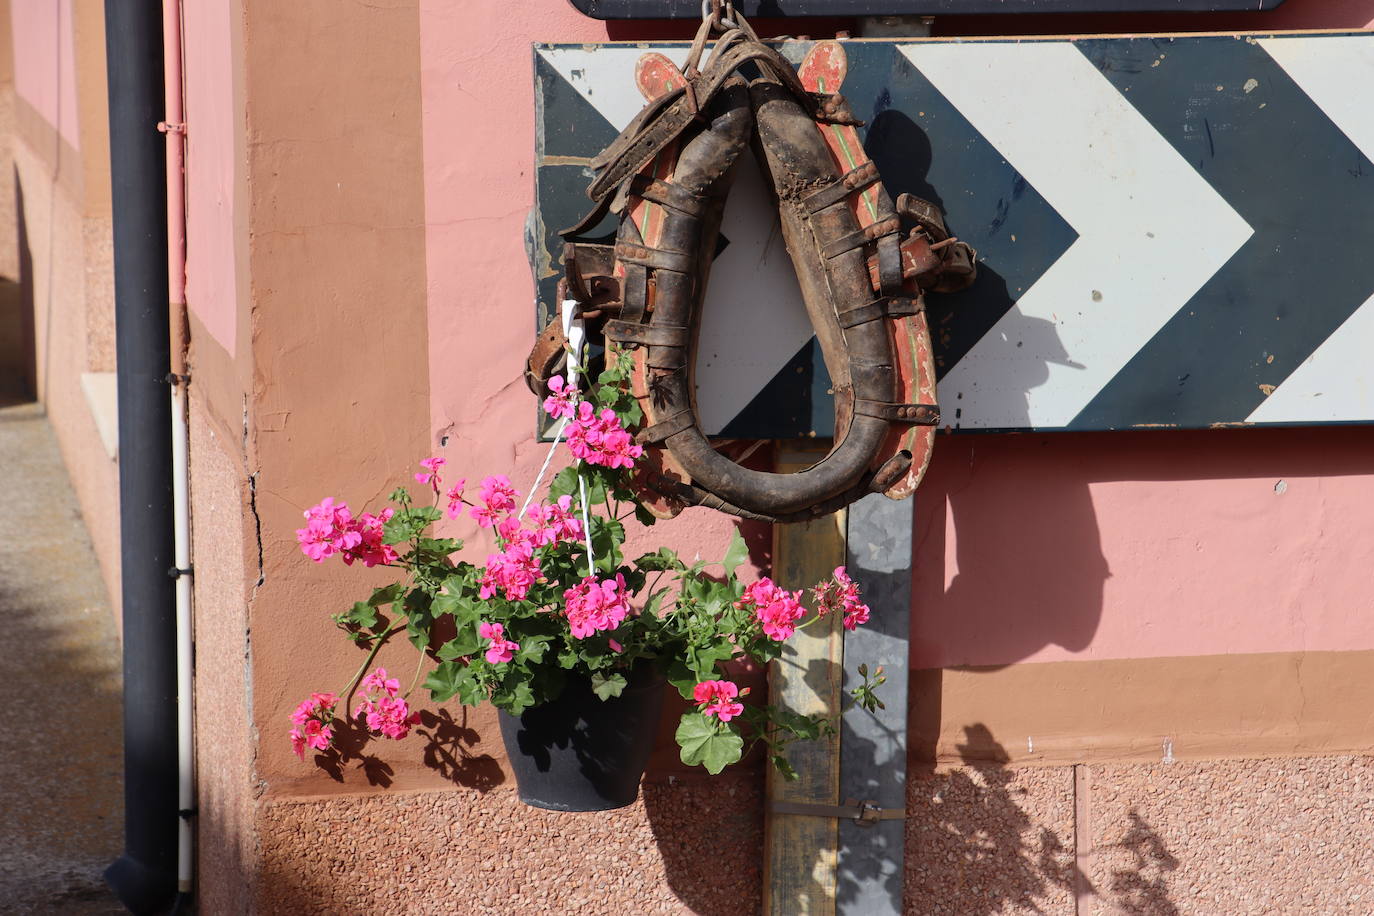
532, 649
471, 692
607, 686
607, 536
407, 523
514, 699
682, 677
388, 595
708, 743
737, 554
447, 679
400, 495
661, 559
564, 483
784, 767
703, 659
467, 642
363, 614
651, 606
439, 547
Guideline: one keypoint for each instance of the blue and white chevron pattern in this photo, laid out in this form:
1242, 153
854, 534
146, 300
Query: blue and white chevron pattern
1171, 231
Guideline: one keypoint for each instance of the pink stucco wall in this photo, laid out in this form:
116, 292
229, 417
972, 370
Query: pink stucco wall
45, 62
1144, 544
211, 279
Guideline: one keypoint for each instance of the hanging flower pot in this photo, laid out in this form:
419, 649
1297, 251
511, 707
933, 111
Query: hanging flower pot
570, 638
578, 752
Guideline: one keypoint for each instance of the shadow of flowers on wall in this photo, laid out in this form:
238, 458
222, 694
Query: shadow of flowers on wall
985, 838
447, 750
1142, 889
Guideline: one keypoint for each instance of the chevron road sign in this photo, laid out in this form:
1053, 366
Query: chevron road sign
1171, 232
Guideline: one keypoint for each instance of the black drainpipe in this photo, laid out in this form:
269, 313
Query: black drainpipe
144, 877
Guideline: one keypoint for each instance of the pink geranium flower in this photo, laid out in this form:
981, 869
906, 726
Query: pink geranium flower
500, 650
378, 680
455, 498
498, 494
430, 474
382, 711
841, 594
329, 529
388, 715
600, 439
511, 572
370, 549
594, 606
562, 402
554, 522
313, 719
776, 608
717, 698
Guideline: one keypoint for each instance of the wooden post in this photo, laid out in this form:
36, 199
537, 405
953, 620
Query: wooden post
799, 868
873, 745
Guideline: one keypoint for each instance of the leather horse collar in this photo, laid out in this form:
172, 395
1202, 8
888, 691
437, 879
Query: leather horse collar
862, 281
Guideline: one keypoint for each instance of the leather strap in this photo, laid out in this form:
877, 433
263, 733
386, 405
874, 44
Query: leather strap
860, 237
548, 352
664, 429
657, 258
925, 214
653, 335
856, 180
666, 194
914, 414
661, 123
885, 307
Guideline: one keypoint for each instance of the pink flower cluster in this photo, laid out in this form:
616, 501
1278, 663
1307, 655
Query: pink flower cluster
500, 649
511, 572
498, 497
776, 608
594, 607
563, 401
314, 720
600, 439
382, 710
717, 698
514, 570
841, 594
331, 528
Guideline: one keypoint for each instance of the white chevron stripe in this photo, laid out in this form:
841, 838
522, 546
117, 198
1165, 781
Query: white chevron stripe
1335, 383
753, 320
1151, 230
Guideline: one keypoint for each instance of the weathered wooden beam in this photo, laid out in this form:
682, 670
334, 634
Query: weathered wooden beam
799, 868
873, 745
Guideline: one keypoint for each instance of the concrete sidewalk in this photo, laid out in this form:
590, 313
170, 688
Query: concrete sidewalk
61, 760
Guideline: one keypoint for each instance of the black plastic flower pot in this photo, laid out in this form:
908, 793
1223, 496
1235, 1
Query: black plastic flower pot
582, 753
